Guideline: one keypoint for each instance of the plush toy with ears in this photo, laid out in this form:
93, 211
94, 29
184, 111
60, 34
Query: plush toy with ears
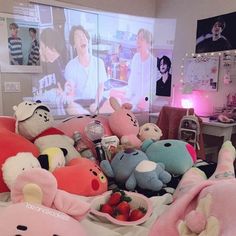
177, 156
35, 122
132, 168
149, 131
39, 208
15, 165
52, 158
124, 124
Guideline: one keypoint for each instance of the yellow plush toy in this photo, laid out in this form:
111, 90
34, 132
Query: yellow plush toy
52, 158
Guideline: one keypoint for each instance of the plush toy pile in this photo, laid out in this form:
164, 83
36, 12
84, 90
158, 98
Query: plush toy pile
42, 169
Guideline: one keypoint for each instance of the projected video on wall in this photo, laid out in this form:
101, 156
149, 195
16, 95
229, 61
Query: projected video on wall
86, 57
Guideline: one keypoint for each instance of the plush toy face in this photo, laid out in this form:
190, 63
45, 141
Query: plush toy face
15, 165
34, 125
150, 131
27, 219
82, 177
125, 162
122, 121
176, 155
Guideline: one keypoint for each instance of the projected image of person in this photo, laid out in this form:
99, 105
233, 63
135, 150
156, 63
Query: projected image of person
15, 45
33, 58
143, 71
163, 85
214, 40
50, 86
85, 74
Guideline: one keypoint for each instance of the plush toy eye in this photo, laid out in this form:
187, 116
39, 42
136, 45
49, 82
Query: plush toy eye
102, 178
136, 153
146, 129
22, 227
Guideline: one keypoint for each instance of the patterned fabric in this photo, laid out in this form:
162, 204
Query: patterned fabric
15, 48
33, 58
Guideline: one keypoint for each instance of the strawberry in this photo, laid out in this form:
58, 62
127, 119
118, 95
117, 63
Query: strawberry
137, 214
123, 208
114, 199
106, 208
121, 217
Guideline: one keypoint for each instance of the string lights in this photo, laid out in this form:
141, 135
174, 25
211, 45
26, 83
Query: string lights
201, 56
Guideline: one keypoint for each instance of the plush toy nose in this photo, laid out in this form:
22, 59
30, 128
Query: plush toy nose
129, 150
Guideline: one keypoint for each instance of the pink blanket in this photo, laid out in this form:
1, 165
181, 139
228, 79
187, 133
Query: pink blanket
203, 207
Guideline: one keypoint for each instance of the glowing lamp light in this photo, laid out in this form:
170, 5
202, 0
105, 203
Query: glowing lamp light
186, 103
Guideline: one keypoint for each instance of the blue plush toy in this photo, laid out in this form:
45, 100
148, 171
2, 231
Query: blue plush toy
177, 156
132, 168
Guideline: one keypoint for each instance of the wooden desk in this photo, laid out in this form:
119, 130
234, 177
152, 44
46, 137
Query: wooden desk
218, 129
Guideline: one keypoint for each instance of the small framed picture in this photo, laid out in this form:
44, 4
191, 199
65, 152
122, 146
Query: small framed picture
19, 44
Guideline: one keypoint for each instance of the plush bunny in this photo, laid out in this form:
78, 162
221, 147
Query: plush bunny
124, 124
39, 208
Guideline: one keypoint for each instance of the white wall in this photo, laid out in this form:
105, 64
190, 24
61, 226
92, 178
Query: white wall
133, 7
187, 12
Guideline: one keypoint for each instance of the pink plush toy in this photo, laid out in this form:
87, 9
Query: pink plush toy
69, 126
82, 177
124, 124
201, 206
39, 208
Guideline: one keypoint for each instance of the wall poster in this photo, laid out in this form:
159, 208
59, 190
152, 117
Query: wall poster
216, 33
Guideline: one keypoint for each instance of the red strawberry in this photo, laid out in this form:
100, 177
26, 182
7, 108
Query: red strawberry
137, 214
114, 199
106, 208
121, 217
123, 208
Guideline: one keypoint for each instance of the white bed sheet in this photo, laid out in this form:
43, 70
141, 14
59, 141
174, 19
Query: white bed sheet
95, 227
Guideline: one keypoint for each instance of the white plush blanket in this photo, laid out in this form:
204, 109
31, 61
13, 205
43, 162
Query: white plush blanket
96, 227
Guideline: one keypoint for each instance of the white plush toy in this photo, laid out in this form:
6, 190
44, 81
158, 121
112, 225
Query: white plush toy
149, 131
15, 165
35, 122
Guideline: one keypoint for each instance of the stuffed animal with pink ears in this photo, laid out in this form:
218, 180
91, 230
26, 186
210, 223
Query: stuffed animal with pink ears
39, 208
124, 124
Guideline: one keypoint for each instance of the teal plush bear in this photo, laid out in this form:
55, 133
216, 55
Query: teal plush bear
132, 168
177, 156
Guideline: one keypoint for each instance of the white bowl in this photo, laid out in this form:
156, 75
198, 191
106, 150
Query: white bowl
138, 200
